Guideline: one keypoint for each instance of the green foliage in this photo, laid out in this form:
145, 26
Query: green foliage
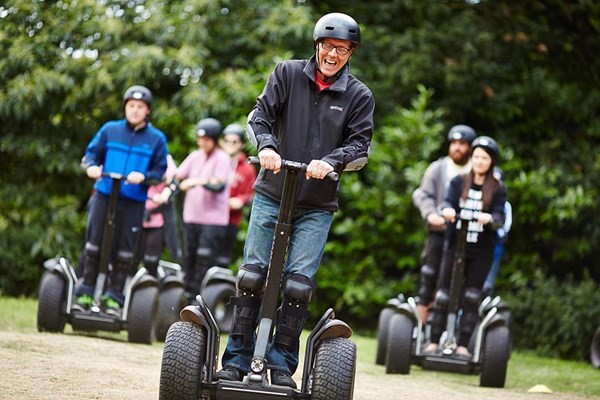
556, 318
525, 73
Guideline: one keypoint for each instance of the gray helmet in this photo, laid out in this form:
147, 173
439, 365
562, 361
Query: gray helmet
209, 127
488, 144
235, 129
337, 26
462, 132
138, 92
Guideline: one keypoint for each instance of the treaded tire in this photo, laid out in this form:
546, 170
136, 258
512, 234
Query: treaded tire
496, 352
51, 304
216, 297
182, 362
382, 334
595, 349
170, 302
400, 344
141, 324
334, 369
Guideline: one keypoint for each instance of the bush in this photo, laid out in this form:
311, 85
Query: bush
556, 318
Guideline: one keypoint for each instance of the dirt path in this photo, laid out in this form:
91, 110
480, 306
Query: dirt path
68, 366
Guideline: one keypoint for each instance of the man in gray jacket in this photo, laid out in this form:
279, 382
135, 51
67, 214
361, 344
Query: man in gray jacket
428, 196
315, 112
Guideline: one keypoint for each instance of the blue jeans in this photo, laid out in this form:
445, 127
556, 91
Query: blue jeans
310, 229
490, 281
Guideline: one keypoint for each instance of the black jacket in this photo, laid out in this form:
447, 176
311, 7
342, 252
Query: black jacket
303, 124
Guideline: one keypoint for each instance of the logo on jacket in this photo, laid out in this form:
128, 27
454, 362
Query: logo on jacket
338, 108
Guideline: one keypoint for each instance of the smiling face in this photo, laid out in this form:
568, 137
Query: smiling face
136, 112
329, 63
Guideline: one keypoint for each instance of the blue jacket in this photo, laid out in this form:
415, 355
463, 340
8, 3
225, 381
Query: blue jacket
120, 149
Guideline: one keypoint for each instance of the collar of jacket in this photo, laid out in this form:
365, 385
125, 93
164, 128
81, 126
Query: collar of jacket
340, 83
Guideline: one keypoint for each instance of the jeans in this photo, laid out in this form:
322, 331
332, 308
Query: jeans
310, 229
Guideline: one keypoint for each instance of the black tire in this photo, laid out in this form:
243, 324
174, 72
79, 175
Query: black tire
382, 334
216, 296
595, 349
51, 316
141, 322
334, 369
400, 344
182, 362
496, 352
170, 303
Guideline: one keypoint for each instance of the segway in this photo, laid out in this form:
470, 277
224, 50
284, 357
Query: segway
406, 336
58, 284
192, 345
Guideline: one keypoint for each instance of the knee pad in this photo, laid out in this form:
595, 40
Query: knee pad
427, 280
124, 259
472, 298
203, 256
297, 292
442, 299
151, 264
91, 251
91, 259
250, 288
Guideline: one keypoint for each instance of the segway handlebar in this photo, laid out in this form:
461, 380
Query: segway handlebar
295, 166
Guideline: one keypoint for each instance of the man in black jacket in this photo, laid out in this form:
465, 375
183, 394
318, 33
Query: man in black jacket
310, 111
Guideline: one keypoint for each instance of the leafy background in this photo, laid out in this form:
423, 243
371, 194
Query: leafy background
525, 73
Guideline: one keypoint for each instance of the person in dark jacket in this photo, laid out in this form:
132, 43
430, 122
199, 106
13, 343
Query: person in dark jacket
315, 112
427, 198
137, 150
476, 198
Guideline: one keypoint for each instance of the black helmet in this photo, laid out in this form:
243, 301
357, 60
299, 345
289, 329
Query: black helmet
462, 132
488, 144
138, 92
209, 127
235, 129
337, 26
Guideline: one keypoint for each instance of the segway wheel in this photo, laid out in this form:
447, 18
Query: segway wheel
171, 301
51, 305
182, 362
382, 334
216, 296
400, 344
595, 349
496, 352
334, 369
141, 323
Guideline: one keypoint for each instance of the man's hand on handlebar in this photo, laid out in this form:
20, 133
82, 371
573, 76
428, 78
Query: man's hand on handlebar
269, 159
318, 169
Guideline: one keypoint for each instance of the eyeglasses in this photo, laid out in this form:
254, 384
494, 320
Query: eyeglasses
231, 141
342, 51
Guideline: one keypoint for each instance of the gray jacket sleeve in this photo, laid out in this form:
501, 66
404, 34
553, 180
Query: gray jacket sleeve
426, 196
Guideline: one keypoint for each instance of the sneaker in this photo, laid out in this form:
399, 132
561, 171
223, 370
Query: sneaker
462, 352
431, 348
82, 303
229, 374
282, 378
111, 306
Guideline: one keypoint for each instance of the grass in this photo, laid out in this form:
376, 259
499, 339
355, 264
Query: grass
525, 369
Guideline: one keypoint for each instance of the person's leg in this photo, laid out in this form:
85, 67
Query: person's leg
307, 245
128, 224
490, 281
189, 265
257, 251
153, 246
91, 251
434, 248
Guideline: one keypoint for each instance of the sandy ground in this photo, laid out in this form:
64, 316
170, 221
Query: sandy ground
70, 366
